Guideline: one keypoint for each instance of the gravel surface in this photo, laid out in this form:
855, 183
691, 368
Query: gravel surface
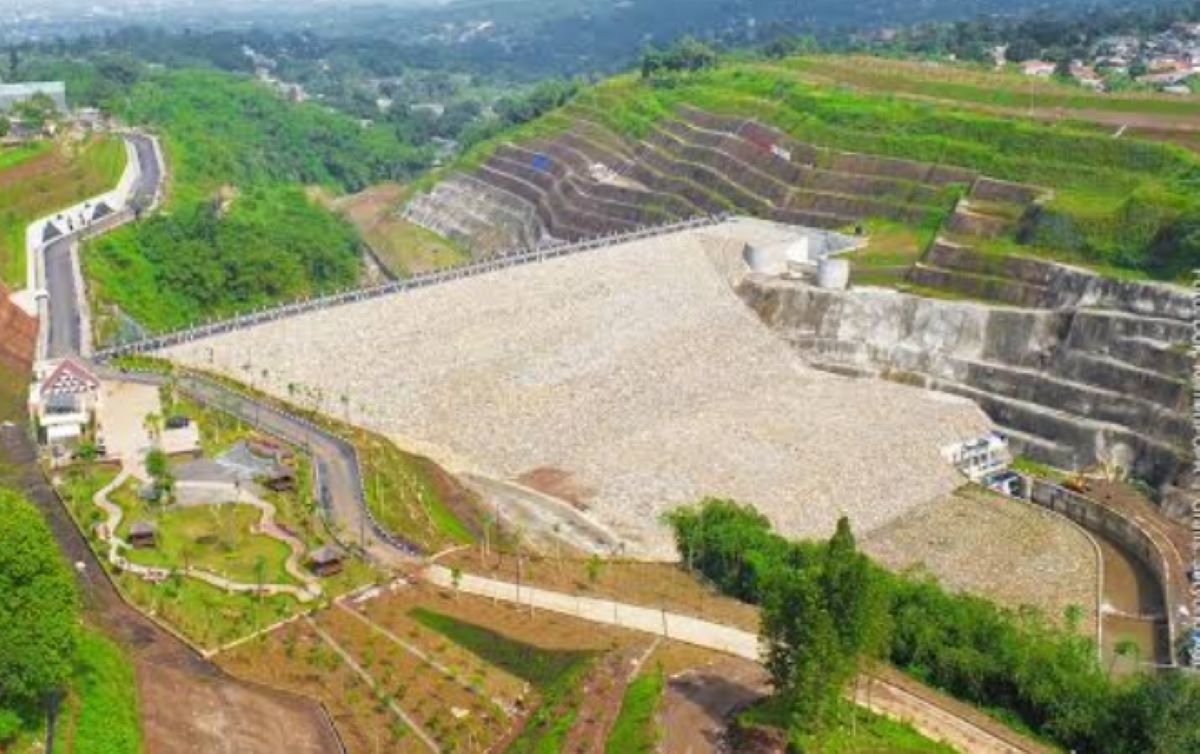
635, 370
1012, 552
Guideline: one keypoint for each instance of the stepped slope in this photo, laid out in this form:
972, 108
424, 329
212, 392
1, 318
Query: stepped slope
1092, 371
591, 181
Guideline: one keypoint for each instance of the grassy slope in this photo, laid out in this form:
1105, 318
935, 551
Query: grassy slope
101, 709
402, 247
38, 180
227, 136
556, 675
1112, 196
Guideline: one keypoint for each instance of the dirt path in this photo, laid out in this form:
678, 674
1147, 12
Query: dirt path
188, 705
698, 703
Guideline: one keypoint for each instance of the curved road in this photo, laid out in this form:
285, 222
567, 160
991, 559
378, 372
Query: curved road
66, 328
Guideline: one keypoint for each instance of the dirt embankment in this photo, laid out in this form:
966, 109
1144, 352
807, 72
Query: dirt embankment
18, 339
18, 334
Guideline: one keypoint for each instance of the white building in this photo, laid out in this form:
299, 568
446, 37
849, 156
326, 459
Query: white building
980, 458
64, 400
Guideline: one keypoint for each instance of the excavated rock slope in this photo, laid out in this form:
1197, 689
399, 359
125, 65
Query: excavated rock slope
1103, 376
633, 372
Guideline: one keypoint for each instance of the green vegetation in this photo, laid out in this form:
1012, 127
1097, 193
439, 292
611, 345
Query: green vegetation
861, 732
636, 728
544, 669
215, 538
973, 85
44, 651
12, 156
239, 231
819, 624
40, 180
556, 675
100, 714
1122, 203
1015, 664
39, 634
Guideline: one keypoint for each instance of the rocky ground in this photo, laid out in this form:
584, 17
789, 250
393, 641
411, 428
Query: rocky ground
634, 372
1012, 552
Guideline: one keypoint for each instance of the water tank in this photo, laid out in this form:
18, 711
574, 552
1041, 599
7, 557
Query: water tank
766, 260
833, 274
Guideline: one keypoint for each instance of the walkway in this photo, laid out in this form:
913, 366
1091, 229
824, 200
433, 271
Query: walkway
937, 718
112, 522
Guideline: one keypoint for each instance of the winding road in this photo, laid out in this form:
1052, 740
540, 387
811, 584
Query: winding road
61, 255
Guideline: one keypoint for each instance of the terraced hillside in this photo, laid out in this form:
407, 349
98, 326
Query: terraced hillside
1081, 364
592, 180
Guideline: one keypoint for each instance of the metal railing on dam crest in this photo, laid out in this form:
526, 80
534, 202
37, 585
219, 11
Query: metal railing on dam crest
502, 261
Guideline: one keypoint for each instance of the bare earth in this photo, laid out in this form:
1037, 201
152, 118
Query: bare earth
636, 372
1009, 551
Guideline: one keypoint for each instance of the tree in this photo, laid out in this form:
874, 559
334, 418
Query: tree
5, 126
819, 624
38, 602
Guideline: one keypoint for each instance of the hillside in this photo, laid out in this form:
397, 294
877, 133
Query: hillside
1127, 206
238, 231
44, 177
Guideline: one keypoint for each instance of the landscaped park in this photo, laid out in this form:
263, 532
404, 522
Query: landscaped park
217, 540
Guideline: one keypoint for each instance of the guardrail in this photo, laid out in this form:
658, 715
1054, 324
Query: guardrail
500, 262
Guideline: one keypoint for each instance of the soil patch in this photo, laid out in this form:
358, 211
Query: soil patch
557, 483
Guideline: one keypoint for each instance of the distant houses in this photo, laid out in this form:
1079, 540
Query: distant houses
12, 95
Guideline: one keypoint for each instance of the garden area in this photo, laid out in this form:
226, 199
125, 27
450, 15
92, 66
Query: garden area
214, 565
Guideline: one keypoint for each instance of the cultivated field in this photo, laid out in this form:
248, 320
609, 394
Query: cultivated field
635, 373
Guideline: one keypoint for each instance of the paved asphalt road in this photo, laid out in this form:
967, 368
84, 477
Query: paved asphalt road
65, 326
340, 492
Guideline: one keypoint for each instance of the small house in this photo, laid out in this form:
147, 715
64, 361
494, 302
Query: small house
142, 535
326, 561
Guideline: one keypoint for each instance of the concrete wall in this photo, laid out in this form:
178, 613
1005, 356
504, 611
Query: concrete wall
1097, 518
1058, 379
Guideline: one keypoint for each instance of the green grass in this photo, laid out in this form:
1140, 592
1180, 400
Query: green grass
544, 669
974, 85
215, 538
51, 178
857, 731
556, 675
13, 156
100, 713
204, 614
636, 728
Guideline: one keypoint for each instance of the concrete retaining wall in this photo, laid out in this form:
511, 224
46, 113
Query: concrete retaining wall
1097, 518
